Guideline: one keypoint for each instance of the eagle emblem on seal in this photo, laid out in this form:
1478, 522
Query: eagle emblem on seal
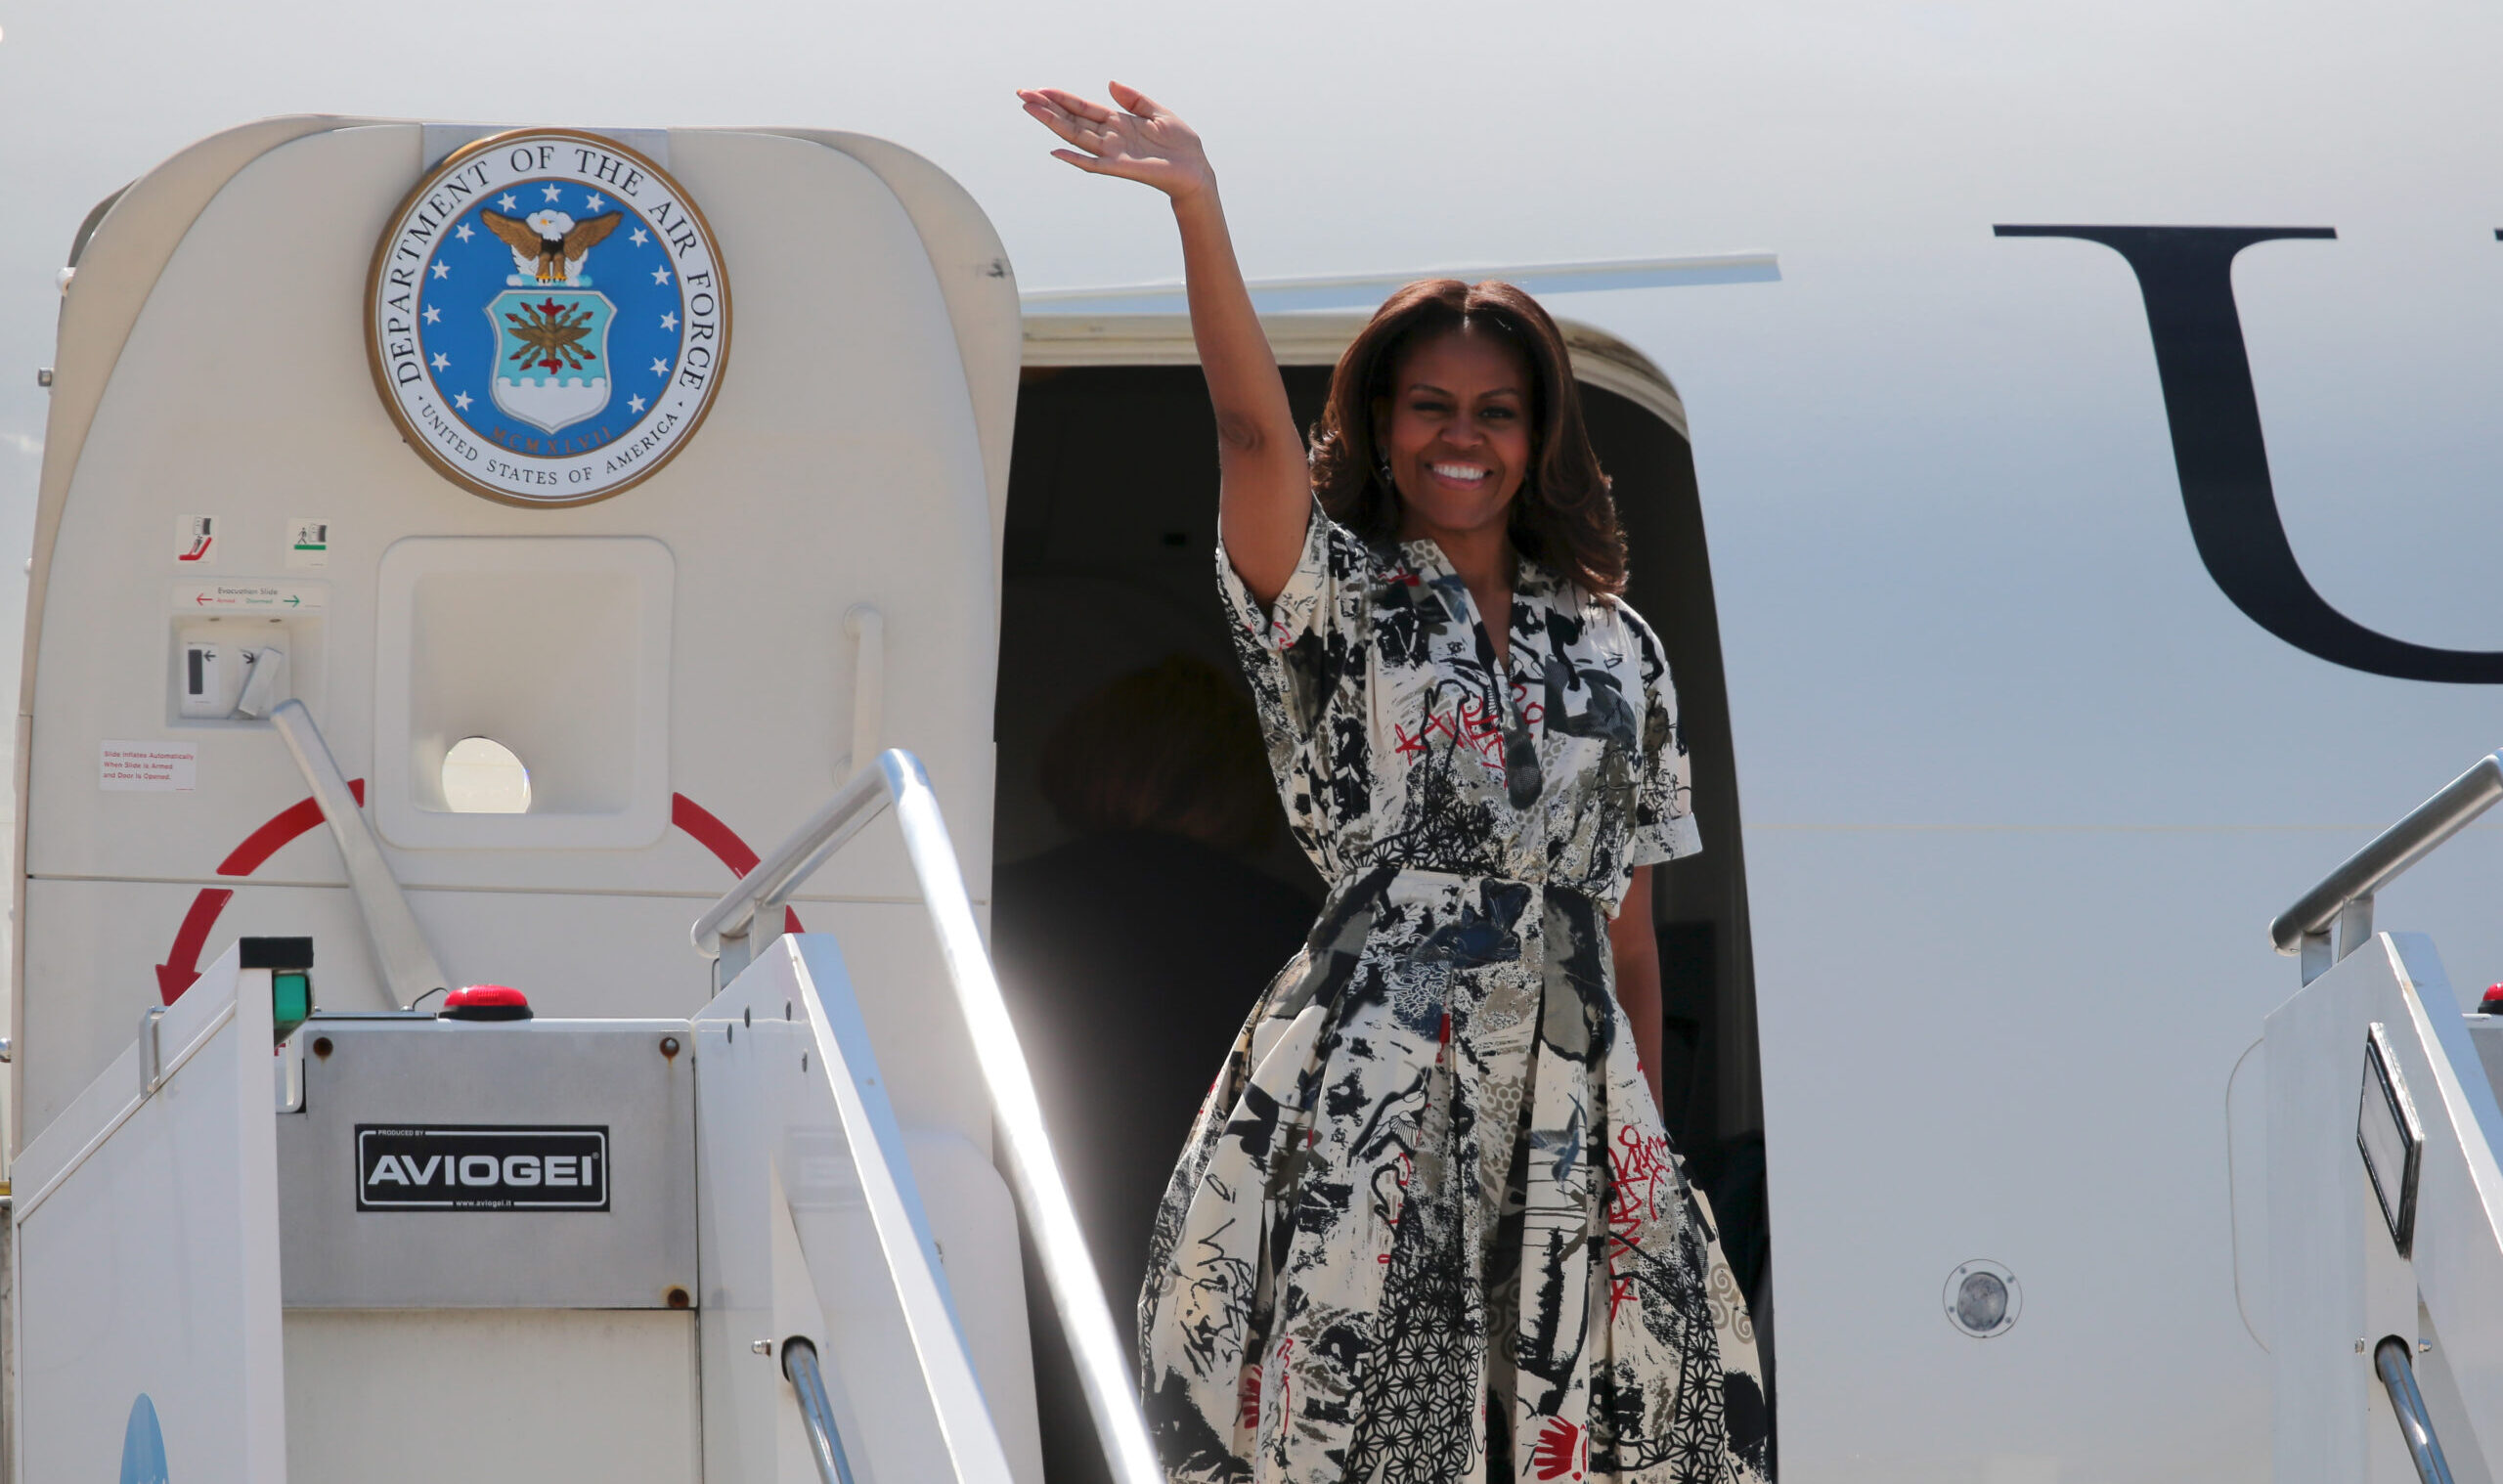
549, 247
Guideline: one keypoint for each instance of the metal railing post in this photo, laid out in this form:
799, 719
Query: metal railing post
2317, 955
2399, 1377
731, 961
2355, 924
816, 1413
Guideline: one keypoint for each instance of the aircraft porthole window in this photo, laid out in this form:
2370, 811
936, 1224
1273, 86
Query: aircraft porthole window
1983, 1298
483, 777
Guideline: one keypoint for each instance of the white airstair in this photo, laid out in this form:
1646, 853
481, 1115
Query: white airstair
2385, 1199
747, 1157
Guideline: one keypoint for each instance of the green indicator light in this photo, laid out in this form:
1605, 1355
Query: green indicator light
290, 1001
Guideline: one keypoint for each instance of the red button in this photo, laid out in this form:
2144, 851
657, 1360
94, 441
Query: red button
486, 1002
2491, 1002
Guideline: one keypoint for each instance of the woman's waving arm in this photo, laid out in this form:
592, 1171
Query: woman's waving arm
1265, 488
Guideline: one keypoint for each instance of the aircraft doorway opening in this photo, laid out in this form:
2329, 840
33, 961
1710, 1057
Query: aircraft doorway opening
1146, 889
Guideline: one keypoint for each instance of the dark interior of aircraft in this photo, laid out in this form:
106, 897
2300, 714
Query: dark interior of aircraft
1132, 945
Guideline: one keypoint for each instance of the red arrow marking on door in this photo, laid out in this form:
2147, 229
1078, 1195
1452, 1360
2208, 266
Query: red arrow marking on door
182, 965
284, 826
723, 840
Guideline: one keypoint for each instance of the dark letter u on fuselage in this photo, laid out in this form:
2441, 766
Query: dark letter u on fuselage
2186, 275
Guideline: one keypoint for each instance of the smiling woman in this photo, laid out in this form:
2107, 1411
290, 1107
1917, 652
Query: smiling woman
1478, 374
1429, 1225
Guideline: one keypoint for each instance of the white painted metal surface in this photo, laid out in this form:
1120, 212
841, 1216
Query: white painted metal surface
538, 1394
1342, 292
630, 1080
471, 633
865, 416
2339, 1282
867, 627
752, 913
146, 1253
815, 1225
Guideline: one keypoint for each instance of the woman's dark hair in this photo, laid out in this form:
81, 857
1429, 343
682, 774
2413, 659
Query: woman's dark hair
1174, 748
1562, 518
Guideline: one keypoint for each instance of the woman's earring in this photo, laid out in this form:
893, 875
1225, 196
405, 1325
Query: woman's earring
1381, 467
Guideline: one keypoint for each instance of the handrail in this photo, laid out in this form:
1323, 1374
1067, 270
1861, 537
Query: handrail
2399, 1377
816, 1413
726, 926
751, 914
2345, 896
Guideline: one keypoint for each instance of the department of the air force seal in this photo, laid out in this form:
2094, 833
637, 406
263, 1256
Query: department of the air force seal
547, 318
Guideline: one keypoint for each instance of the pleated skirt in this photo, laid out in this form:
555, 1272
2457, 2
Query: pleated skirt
1429, 1226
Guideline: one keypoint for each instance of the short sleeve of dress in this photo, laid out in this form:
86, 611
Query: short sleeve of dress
1295, 650
1664, 827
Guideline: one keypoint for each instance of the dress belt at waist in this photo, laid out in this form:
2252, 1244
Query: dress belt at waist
1387, 879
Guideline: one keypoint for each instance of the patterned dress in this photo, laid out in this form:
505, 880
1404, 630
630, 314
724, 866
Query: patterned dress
1429, 1226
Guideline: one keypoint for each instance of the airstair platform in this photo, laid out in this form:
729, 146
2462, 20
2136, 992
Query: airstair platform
2384, 1206
371, 1244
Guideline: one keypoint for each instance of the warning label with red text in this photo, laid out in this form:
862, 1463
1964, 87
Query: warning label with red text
149, 767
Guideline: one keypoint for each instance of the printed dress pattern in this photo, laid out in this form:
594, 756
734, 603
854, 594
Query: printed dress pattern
1429, 1226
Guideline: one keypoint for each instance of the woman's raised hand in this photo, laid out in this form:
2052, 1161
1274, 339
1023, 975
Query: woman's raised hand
1140, 141
1265, 490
